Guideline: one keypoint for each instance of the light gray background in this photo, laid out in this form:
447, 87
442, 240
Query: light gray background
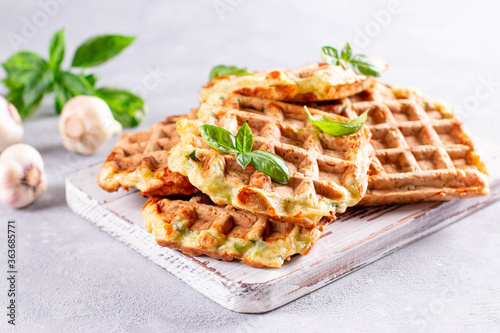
75, 278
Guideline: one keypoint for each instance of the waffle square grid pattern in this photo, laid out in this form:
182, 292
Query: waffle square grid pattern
422, 151
328, 173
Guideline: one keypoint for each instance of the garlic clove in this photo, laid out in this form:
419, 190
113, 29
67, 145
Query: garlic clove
11, 127
22, 176
86, 123
74, 126
114, 126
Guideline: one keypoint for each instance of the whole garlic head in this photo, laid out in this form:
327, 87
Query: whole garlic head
22, 175
86, 123
11, 127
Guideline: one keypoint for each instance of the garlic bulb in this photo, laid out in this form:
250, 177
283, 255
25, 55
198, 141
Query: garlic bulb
11, 127
86, 122
22, 175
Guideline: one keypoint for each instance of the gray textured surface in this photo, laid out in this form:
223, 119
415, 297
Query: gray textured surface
75, 278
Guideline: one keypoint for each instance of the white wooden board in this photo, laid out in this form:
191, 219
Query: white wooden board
357, 238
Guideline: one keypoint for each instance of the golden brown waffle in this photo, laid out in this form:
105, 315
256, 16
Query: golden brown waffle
313, 82
198, 227
140, 160
422, 151
328, 173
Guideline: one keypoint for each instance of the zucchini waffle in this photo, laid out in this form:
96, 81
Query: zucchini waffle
198, 227
412, 149
328, 173
313, 82
140, 160
422, 151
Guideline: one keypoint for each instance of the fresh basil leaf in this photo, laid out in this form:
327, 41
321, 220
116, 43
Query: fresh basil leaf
127, 108
219, 138
193, 156
346, 53
68, 85
338, 128
36, 88
29, 109
270, 164
360, 121
56, 49
365, 65
9, 83
29, 78
222, 140
62, 95
23, 67
368, 71
97, 50
15, 96
91, 79
77, 84
243, 159
244, 139
223, 70
361, 63
330, 55
344, 63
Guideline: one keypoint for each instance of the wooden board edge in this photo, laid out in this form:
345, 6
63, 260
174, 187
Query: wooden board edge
384, 244
258, 298
207, 282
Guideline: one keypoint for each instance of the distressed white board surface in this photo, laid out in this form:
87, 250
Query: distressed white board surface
355, 239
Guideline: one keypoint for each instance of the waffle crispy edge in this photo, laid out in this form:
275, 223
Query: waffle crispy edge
200, 228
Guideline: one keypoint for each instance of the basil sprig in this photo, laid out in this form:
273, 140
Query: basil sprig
241, 145
223, 70
30, 78
360, 63
338, 128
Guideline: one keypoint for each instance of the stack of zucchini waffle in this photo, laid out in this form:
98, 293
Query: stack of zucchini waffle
268, 160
